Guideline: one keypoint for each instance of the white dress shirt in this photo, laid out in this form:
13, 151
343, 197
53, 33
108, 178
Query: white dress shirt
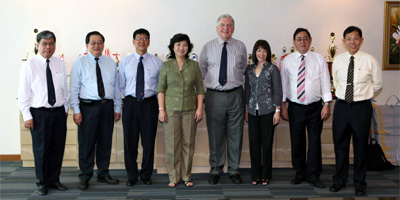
367, 75
128, 72
83, 81
317, 79
32, 90
210, 62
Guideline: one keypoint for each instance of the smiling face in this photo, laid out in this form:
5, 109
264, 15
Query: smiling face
261, 55
46, 47
96, 45
353, 42
181, 49
302, 42
141, 43
225, 28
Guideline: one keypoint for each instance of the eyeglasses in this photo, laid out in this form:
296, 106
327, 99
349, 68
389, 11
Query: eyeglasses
47, 44
227, 25
98, 43
304, 39
142, 38
352, 39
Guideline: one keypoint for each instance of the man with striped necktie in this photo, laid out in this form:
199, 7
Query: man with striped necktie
357, 77
306, 86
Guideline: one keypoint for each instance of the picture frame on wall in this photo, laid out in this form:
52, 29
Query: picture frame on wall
391, 37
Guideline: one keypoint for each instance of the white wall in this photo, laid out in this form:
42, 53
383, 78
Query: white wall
272, 20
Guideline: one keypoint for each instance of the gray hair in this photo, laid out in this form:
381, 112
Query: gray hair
45, 35
226, 16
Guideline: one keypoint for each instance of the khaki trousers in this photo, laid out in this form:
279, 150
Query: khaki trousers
180, 133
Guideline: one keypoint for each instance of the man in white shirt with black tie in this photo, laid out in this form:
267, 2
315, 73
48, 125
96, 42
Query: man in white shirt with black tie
43, 100
357, 77
306, 86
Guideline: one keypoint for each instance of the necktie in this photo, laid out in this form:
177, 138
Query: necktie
50, 86
223, 68
350, 85
140, 80
301, 81
100, 85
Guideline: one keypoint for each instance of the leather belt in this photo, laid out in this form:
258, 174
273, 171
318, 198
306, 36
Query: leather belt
144, 99
354, 102
224, 91
305, 106
49, 109
94, 102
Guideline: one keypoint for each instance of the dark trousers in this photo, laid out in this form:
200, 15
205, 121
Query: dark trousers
95, 138
225, 121
308, 164
261, 138
48, 143
139, 117
351, 119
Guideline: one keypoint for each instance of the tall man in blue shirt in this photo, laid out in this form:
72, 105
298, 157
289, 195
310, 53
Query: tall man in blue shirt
96, 101
138, 76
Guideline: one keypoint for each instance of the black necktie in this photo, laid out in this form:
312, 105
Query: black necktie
100, 85
50, 86
140, 80
223, 68
350, 85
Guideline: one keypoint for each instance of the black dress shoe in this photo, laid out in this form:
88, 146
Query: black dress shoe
213, 179
236, 179
296, 181
317, 183
83, 184
108, 179
42, 190
130, 182
60, 186
335, 188
147, 181
360, 192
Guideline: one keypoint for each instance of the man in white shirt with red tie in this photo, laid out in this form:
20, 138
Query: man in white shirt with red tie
306, 86
357, 77
43, 100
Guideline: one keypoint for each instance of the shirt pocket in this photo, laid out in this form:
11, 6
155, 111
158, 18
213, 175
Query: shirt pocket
59, 79
364, 76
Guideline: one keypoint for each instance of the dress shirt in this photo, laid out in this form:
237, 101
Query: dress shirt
210, 61
318, 83
32, 90
263, 92
83, 82
128, 72
180, 87
367, 75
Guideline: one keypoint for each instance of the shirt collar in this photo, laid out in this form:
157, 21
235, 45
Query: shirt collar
221, 41
92, 57
298, 54
137, 56
356, 56
41, 59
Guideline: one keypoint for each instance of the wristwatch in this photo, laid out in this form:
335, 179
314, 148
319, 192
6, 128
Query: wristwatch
326, 103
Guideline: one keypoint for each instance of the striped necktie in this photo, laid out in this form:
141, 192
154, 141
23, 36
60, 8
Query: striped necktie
301, 81
350, 85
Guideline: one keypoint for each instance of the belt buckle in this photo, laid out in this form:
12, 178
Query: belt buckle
140, 100
104, 101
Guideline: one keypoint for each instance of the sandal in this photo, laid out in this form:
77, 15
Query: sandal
256, 182
172, 185
265, 182
188, 183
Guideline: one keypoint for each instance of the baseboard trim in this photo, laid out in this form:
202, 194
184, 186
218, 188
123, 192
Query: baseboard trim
15, 157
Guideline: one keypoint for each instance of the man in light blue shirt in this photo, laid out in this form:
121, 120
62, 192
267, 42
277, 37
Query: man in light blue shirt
96, 101
138, 76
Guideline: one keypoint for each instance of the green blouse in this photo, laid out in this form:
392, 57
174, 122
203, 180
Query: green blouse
180, 87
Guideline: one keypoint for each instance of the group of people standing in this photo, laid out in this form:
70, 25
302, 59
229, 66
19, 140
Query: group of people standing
173, 93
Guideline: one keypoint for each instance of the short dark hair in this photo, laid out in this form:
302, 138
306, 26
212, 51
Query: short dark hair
141, 31
45, 35
93, 33
179, 38
351, 29
263, 44
298, 30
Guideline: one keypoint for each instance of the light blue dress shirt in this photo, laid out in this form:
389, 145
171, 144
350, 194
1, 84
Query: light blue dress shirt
83, 81
128, 72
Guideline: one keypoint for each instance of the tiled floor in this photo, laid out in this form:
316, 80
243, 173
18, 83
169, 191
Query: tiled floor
17, 182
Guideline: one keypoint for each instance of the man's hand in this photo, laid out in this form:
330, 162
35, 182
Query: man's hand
117, 116
284, 112
29, 124
326, 111
78, 119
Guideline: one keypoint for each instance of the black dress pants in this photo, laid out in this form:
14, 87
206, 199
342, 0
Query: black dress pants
95, 138
308, 164
261, 138
139, 117
351, 119
48, 143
